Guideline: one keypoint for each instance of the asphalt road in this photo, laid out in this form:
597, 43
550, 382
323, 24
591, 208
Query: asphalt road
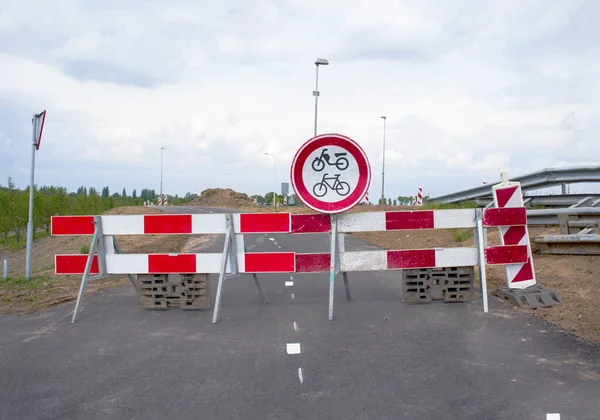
378, 359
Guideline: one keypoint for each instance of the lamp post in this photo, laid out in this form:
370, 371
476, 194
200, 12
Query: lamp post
274, 174
161, 171
383, 166
318, 62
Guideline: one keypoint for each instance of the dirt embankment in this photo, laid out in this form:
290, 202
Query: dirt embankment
219, 197
47, 289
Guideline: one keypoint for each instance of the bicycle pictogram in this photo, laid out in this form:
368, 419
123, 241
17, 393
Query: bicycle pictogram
340, 187
340, 162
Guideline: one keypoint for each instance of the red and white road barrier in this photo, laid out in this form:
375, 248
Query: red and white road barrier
159, 200
508, 195
510, 216
166, 201
290, 262
419, 196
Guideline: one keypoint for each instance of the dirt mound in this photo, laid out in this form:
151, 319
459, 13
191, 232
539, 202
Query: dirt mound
219, 197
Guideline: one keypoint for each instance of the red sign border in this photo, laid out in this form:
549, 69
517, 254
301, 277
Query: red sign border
39, 140
331, 139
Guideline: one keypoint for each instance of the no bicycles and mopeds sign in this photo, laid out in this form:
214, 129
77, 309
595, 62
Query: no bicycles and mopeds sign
330, 173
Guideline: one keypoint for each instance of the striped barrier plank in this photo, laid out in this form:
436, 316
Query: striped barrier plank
173, 224
290, 262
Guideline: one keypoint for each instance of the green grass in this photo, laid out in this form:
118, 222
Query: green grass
461, 235
84, 250
11, 242
21, 283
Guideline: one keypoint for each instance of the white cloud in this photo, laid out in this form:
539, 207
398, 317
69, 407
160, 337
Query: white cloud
468, 88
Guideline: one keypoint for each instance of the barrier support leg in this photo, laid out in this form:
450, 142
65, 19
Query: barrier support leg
86, 272
260, 292
340, 248
347, 286
332, 267
226, 249
481, 259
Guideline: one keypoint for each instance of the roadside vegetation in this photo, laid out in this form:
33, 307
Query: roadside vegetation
51, 201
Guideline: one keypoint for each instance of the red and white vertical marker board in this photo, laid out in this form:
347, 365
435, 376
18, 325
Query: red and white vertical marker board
330, 173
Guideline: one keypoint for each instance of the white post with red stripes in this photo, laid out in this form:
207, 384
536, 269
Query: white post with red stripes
508, 195
419, 196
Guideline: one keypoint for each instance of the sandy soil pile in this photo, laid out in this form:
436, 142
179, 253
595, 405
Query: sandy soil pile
219, 197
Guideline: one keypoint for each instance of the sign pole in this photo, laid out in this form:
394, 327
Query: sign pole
30, 220
38, 126
333, 264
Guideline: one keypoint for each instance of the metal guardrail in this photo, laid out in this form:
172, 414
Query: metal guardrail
545, 178
576, 200
550, 216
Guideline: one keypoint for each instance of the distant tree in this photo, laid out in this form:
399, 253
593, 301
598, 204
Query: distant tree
105, 192
395, 202
124, 193
134, 194
11, 184
389, 201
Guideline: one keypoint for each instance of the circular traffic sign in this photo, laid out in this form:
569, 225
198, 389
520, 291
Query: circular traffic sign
330, 173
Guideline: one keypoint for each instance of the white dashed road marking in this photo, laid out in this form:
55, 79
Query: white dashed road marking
553, 416
293, 348
295, 326
293, 296
302, 378
289, 283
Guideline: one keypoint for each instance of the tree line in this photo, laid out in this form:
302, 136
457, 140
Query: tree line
403, 200
51, 201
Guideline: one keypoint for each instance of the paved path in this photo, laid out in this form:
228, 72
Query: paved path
379, 358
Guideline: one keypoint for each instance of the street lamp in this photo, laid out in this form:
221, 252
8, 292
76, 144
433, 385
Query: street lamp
274, 174
161, 171
318, 62
383, 166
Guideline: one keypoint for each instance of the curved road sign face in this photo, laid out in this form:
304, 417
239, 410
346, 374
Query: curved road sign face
330, 173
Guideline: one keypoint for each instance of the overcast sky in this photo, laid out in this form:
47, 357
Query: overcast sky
469, 88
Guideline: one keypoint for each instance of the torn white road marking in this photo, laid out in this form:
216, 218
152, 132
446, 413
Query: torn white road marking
295, 326
272, 239
293, 348
553, 416
302, 378
289, 283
